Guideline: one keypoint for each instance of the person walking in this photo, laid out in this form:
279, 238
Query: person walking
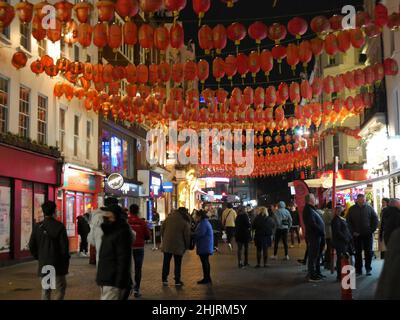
390, 220
228, 222
142, 234
295, 228
283, 221
384, 207
341, 239
263, 227
115, 257
217, 230
363, 221
83, 231
204, 244
327, 217
242, 237
315, 234
49, 245
175, 234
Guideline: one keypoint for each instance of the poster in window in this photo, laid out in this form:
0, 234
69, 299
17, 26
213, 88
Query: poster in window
26, 217
70, 217
5, 219
37, 207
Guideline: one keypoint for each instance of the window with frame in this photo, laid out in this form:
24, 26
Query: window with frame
4, 91
42, 47
76, 134
24, 106
61, 130
89, 128
6, 31
42, 119
25, 31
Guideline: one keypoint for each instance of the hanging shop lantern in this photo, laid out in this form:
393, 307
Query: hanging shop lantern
283, 92
131, 73
38, 32
142, 72
259, 97
338, 83
305, 53
349, 104
306, 90
279, 114
338, 105
270, 96
254, 64
230, 66
190, 71
24, 10
146, 36
114, 37
164, 72
88, 71
200, 7
336, 22
317, 46
294, 93
37, 8
267, 62
175, 6
85, 34
71, 33
320, 25
218, 68
76, 67
118, 73
317, 87
258, 32
343, 41
105, 10
205, 36
390, 66
292, 56
58, 90
219, 38
37, 67
381, 15
248, 96
359, 78
127, 8
331, 44
51, 71
46, 61
130, 33
107, 73
203, 70
63, 11
113, 87
236, 32
97, 72
100, 35
348, 78
362, 19
379, 73
54, 35
176, 36
177, 73
279, 53
19, 60
327, 85
150, 6
297, 27
82, 11
161, 38
243, 65
131, 90
357, 38
277, 32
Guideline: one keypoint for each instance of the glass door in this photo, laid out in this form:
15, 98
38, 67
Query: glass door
5, 221
26, 214
70, 210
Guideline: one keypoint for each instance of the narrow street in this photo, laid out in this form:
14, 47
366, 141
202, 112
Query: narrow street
282, 280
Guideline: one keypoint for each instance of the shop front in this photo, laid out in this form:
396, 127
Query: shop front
79, 194
125, 190
27, 179
152, 193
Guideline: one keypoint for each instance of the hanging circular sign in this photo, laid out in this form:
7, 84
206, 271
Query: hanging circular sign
115, 181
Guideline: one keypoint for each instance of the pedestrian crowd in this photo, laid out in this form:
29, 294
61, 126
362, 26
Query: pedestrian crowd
119, 239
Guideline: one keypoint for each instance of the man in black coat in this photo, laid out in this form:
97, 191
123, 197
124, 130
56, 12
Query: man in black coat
315, 235
242, 236
114, 266
83, 231
49, 245
390, 220
363, 221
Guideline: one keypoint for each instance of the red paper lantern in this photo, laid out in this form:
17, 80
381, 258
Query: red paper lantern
46, 61
205, 36
58, 89
379, 72
100, 35
38, 32
258, 31
130, 33
357, 38
161, 38
259, 97
270, 96
348, 78
292, 56
279, 53
328, 85
51, 71
97, 72
248, 96
63, 11
54, 35
219, 38
37, 67
175, 6
294, 93
336, 22
127, 8
85, 34
230, 66
390, 66
331, 44
362, 19
203, 70
146, 36
150, 6
114, 37
177, 72
277, 32
306, 90
283, 92
266, 61
107, 73
236, 32
82, 11
105, 10
19, 60
359, 77
338, 83
297, 27
190, 71
381, 15
142, 73
320, 25
164, 72
88, 71
71, 33
279, 114
317, 87
218, 68
305, 53
131, 90
343, 41
254, 63
24, 11
243, 64
176, 36
317, 46
118, 73
200, 7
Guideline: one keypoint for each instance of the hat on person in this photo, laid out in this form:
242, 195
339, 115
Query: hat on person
110, 201
115, 209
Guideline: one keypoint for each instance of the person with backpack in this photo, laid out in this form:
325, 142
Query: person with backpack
49, 245
242, 236
263, 227
228, 222
83, 232
142, 234
283, 221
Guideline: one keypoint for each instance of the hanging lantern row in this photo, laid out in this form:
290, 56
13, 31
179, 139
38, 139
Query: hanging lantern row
297, 27
346, 130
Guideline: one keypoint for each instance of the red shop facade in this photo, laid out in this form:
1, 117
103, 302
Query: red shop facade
27, 179
79, 194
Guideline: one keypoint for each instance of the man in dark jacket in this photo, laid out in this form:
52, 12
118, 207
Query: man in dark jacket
315, 234
49, 245
341, 238
390, 220
83, 231
242, 236
363, 221
114, 266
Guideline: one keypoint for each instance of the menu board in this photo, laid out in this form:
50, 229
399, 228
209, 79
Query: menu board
5, 193
26, 217
37, 207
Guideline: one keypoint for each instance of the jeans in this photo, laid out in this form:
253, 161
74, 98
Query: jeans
138, 256
83, 247
246, 252
205, 263
112, 293
264, 250
61, 286
281, 233
361, 243
166, 265
294, 230
230, 232
314, 255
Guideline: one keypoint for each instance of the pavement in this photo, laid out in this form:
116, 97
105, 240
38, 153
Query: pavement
282, 280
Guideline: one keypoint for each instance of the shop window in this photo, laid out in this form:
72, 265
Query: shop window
5, 216
88, 138
4, 91
42, 47
106, 152
25, 31
42, 119
76, 134
39, 198
24, 106
26, 214
61, 132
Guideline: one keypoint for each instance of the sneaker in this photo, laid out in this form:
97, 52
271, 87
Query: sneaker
230, 246
286, 258
301, 261
291, 246
137, 294
165, 283
216, 249
204, 281
178, 283
321, 276
247, 265
274, 257
240, 266
358, 274
314, 279
369, 273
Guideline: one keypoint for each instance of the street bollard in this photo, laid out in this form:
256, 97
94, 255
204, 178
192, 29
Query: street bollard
346, 291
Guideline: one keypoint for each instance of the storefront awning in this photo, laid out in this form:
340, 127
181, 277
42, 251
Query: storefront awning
327, 183
377, 179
